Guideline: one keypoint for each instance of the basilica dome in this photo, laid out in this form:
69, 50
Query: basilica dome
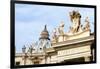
44, 34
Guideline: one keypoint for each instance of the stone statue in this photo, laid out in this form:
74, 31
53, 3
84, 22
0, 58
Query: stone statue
61, 28
87, 24
31, 49
75, 18
54, 35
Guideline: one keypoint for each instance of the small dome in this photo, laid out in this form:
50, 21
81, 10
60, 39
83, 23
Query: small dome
44, 34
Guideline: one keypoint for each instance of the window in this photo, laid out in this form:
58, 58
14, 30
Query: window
17, 63
36, 62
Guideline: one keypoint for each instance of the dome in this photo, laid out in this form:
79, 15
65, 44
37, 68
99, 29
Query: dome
44, 34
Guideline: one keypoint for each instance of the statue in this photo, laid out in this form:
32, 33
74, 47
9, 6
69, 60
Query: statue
61, 28
75, 18
54, 35
87, 25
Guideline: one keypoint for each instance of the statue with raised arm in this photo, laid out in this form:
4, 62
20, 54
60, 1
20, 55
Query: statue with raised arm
75, 19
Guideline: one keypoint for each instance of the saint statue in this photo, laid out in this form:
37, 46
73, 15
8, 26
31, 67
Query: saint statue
61, 28
75, 18
87, 24
54, 35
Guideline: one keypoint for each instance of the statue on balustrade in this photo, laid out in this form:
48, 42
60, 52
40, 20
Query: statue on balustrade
54, 35
61, 28
87, 24
76, 21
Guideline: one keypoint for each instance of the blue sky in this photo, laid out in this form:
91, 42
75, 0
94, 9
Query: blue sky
30, 21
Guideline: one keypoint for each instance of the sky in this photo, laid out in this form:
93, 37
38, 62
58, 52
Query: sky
30, 21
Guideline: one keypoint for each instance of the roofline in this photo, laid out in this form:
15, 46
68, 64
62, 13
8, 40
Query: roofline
74, 41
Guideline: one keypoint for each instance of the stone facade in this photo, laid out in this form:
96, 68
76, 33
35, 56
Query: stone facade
61, 52
73, 46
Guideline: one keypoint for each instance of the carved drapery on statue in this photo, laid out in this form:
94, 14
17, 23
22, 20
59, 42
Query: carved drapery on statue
58, 31
54, 35
76, 28
61, 28
75, 19
87, 24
